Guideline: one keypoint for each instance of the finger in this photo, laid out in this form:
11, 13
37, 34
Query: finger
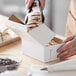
67, 54
64, 57
26, 1
42, 3
29, 3
62, 54
69, 39
65, 47
60, 47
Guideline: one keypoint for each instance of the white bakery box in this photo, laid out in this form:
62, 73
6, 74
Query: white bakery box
36, 42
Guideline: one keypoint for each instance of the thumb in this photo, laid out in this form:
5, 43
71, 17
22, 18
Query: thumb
69, 39
28, 3
42, 3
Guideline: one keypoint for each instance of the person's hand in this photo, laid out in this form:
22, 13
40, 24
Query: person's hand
68, 49
29, 3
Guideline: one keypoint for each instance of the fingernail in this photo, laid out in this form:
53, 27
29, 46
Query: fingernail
58, 50
58, 55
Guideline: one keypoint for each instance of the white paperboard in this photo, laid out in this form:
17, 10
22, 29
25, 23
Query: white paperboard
34, 42
66, 73
65, 68
42, 34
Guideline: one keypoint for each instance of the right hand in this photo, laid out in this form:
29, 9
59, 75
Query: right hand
68, 49
29, 3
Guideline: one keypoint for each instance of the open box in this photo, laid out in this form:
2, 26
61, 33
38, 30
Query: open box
36, 42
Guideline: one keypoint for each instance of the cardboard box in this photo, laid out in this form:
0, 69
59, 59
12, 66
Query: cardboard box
35, 42
7, 36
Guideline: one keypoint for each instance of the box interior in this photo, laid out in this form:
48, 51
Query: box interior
15, 19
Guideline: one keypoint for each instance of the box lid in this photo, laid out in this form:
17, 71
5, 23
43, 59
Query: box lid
42, 34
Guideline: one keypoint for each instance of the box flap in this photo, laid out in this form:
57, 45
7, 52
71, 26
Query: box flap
15, 19
42, 34
16, 27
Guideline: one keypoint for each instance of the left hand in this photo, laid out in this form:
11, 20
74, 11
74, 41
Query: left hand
68, 49
29, 3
